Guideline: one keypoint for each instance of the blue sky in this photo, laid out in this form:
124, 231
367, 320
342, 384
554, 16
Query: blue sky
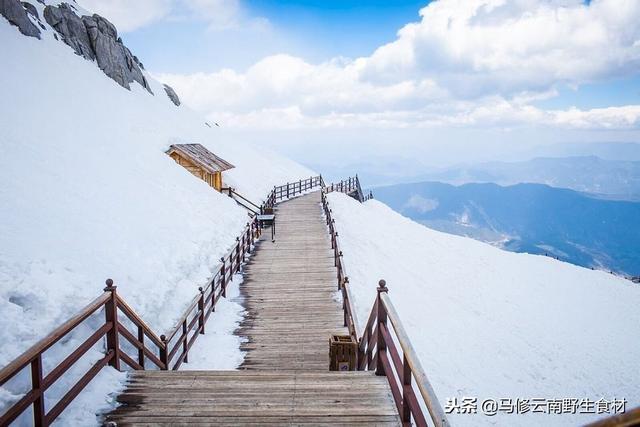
314, 30
610, 92
340, 28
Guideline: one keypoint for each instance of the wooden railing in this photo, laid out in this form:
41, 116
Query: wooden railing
163, 352
289, 190
253, 208
350, 186
377, 349
629, 418
350, 317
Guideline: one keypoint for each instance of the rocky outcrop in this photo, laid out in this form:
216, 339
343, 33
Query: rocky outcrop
70, 26
173, 96
16, 14
95, 38
113, 57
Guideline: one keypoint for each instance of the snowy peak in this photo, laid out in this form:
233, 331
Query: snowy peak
91, 36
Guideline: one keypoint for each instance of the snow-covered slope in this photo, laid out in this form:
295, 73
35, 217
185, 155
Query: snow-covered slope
88, 193
494, 324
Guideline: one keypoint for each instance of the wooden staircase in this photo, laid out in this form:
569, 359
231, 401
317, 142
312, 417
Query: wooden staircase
290, 297
256, 398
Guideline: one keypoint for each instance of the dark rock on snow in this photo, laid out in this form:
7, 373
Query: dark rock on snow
173, 96
17, 15
31, 9
70, 26
94, 37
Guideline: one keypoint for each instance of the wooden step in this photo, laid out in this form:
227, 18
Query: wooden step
237, 398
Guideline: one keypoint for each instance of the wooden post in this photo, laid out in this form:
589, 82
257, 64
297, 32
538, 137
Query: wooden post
111, 315
36, 384
243, 245
185, 343
164, 352
335, 251
345, 281
201, 310
223, 274
339, 265
237, 254
382, 320
140, 350
287, 190
406, 387
249, 237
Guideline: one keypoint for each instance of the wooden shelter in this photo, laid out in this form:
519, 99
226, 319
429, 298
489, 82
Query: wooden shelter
201, 162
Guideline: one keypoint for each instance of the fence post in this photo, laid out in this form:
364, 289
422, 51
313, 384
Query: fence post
201, 309
111, 315
287, 190
382, 320
249, 236
237, 254
185, 343
164, 352
140, 350
345, 282
36, 384
223, 274
406, 386
335, 251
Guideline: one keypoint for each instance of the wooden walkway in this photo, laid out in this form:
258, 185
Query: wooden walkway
292, 309
289, 293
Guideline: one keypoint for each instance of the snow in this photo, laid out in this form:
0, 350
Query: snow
218, 348
88, 193
488, 323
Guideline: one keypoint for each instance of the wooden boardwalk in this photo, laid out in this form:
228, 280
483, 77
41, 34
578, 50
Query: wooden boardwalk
289, 293
292, 309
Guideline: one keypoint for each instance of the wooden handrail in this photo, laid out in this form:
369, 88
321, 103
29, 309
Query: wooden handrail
427, 392
289, 190
629, 418
112, 329
350, 316
235, 196
41, 346
378, 351
349, 186
133, 316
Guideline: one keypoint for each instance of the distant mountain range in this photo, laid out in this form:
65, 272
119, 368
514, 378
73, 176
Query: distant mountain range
533, 218
607, 178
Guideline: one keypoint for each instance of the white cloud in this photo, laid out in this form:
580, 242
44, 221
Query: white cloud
421, 204
627, 117
466, 63
485, 46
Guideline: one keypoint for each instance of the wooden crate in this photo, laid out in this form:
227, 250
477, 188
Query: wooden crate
343, 350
